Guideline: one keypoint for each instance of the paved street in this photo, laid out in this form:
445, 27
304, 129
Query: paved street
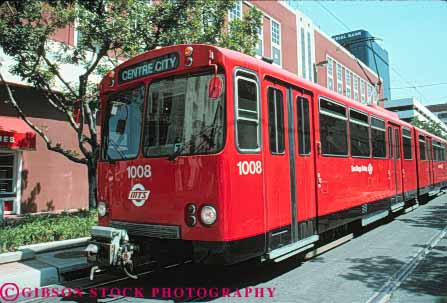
402, 261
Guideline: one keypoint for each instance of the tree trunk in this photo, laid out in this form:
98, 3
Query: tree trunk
91, 168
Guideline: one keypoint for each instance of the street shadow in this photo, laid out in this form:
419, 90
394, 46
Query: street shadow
215, 281
434, 216
428, 278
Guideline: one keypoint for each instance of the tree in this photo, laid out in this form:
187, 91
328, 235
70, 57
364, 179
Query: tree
432, 127
108, 30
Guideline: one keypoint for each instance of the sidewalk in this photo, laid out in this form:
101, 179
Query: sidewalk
42, 264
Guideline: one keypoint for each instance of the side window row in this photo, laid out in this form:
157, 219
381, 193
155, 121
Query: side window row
367, 135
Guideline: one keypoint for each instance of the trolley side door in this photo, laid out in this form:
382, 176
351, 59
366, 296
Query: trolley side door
306, 206
277, 183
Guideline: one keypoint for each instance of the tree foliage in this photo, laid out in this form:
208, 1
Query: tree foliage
432, 127
107, 31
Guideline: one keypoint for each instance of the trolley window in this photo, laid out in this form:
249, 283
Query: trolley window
397, 139
122, 127
333, 128
390, 142
302, 107
406, 139
442, 153
181, 119
247, 113
359, 133
422, 147
276, 121
378, 138
438, 149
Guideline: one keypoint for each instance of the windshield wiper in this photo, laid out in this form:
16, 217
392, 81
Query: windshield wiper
115, 147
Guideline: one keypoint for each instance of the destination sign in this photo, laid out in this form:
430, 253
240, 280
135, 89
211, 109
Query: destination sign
149, 67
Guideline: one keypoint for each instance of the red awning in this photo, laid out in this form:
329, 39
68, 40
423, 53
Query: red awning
16, 134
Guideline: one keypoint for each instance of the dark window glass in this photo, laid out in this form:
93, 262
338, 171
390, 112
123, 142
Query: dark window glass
378, 138
6, 173
332, 108
428, 150
302, 106
406, 132
422, 147
390, 143
6, 159
247, 114
378, 123
276, 121
5, 186
435, 150
406, 138
397, 142
181, 119
247, 131
333, 129
359, 132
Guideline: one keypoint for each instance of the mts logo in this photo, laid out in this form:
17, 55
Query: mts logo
139, 195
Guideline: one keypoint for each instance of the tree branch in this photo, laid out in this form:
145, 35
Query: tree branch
57, 148
58, 75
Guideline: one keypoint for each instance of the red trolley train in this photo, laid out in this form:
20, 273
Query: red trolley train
212, 155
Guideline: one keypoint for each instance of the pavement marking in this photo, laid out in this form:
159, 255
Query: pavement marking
384, 294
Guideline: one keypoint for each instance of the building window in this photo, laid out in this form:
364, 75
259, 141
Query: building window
333, 128
369, 98
276, 42
378, 134
309, 56
247, 120
236, 11
339, 79
276, 121
303, 55
303, 127
7, 173
330, 73
356, 88
359, 133
362, 91
260, 45
348, 83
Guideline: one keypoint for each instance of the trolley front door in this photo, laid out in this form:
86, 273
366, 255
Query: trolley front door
395, 169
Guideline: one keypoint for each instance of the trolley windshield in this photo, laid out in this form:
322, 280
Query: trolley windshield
122, 134
181, 118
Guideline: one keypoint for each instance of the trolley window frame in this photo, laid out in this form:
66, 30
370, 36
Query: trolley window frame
382, 130
253, 78
333, 115
362, 123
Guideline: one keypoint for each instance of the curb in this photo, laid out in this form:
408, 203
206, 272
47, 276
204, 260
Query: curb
28, 252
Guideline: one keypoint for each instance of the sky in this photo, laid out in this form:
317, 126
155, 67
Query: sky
413, 32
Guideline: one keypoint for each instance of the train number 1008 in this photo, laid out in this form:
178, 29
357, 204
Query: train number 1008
249, 167
139, 171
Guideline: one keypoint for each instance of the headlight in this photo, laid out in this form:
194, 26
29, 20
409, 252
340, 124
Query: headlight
208, 215
102, 209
